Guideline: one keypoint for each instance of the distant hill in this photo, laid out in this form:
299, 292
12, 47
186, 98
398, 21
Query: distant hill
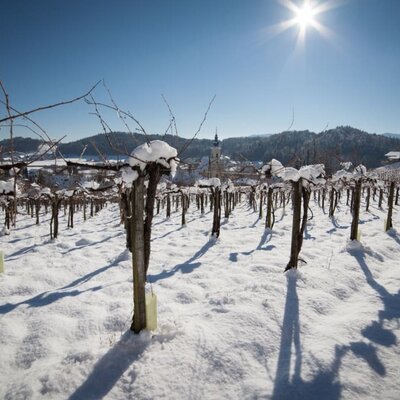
392, 135
117, 143
293, 148
24, 145
261, 135
126, 142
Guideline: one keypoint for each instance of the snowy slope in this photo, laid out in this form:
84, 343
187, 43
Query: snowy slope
231, 324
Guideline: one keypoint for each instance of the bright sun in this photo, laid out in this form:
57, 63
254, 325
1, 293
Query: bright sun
305, 15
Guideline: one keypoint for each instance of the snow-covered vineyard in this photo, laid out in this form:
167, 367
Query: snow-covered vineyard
231, 323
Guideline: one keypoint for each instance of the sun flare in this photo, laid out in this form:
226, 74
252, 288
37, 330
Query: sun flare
305, 15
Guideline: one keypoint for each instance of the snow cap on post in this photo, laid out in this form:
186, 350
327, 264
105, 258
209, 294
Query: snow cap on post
128, 175
157, 151
312, 173
272, 167
346, 165
228, 186
360, 171
342, 174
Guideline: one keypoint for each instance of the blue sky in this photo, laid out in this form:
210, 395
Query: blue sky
189, 51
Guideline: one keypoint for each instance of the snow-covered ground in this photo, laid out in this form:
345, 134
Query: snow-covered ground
232, 325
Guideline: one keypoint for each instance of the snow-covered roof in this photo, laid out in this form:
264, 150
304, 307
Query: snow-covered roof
393, 155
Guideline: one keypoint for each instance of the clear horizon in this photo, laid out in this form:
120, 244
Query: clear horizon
190, 51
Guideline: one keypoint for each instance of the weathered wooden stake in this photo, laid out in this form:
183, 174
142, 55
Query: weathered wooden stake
217, 212
389, 222
296, 199
355, 210
268, 219
138, 262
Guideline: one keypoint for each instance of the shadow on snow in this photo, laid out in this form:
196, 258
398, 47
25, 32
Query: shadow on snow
265, 238
325, 383
46, 298
376, 332
186, 267
85, 245
109, 369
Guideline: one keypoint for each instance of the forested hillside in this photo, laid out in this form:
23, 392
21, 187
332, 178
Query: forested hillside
293, 148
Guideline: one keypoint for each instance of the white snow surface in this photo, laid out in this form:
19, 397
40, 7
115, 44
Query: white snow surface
231, 324
157, 151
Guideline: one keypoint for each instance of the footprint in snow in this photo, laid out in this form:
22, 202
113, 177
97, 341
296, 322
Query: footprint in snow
82, 242
30, 350
221, 303
183, 298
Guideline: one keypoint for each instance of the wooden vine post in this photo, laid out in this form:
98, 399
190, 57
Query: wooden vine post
217, 212
183, 204
168, 208
214, 184
367, 199
260, 211
355, 210
269, 222
380, 199
55, 206
154, 174
389, 221
332, 202
151, 161
301, 194
295, 244
138, 254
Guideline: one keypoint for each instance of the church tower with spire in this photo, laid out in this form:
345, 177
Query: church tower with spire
215, 170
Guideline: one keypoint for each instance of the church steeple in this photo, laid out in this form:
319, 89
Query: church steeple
216, 141
215, 158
